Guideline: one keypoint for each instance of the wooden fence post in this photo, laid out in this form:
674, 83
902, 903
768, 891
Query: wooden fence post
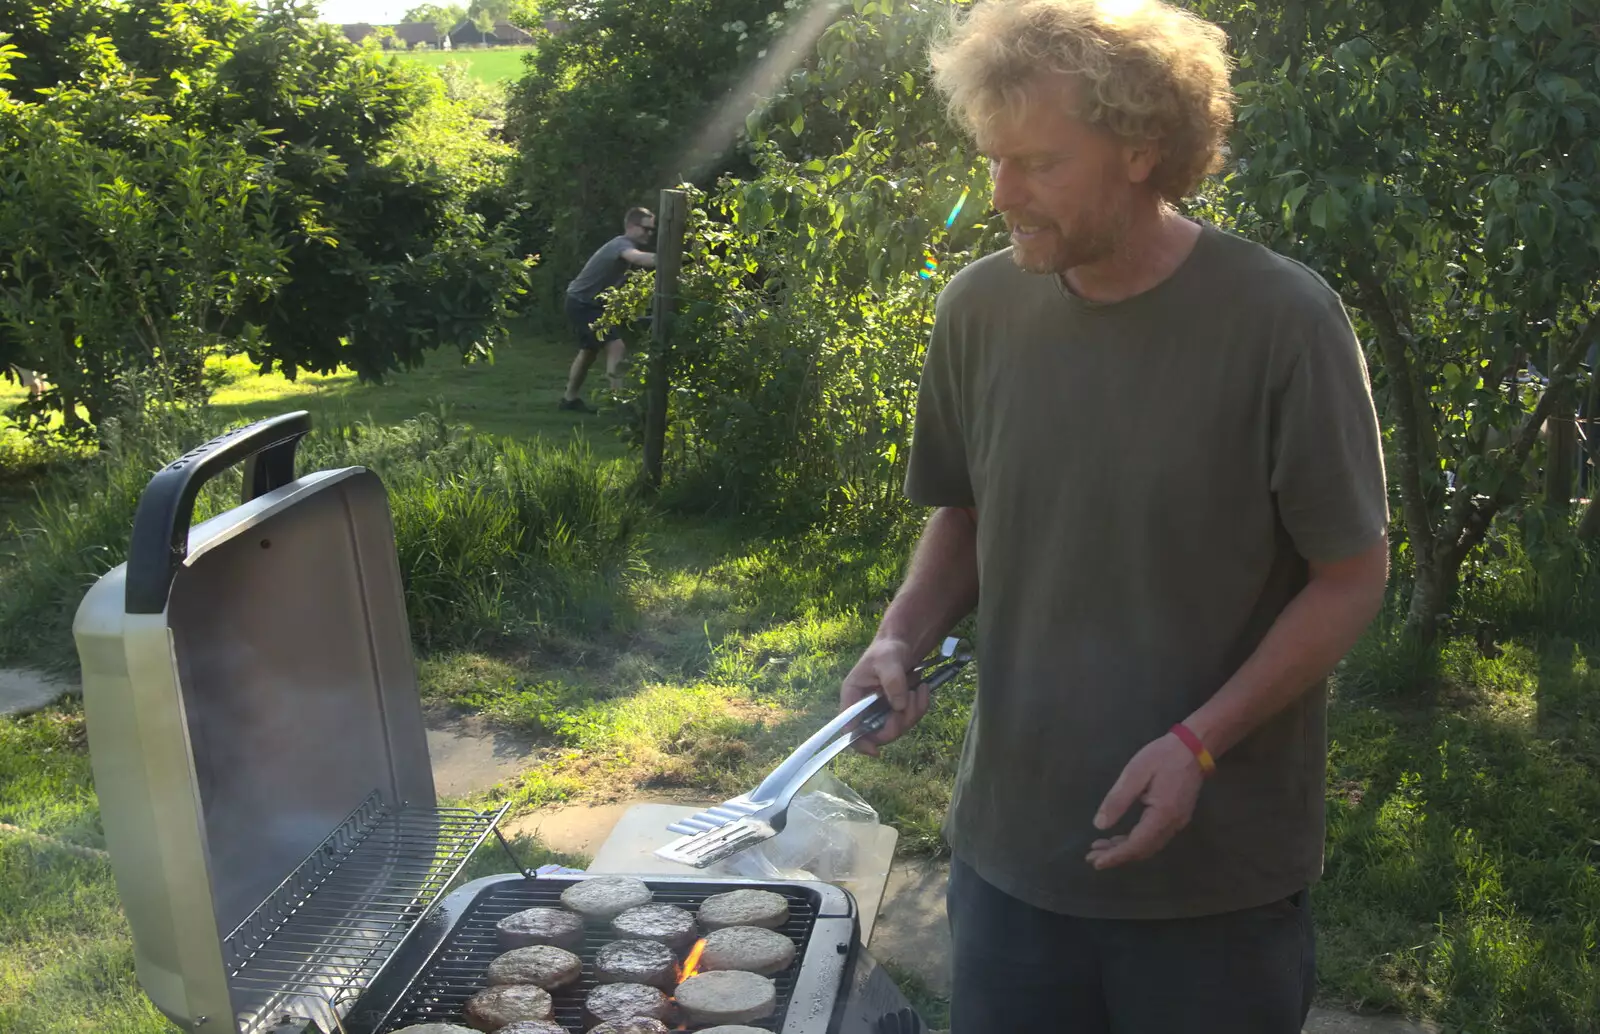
670, 219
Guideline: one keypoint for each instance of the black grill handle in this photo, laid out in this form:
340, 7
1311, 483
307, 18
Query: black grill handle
160, 540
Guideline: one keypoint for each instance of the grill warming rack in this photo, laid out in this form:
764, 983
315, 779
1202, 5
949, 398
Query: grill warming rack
328, 930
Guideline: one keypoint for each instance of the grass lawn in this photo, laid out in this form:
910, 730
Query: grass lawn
490, 64
513, 396
1464, 820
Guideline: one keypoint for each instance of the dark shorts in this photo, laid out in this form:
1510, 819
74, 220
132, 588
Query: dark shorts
1017, 967
583, 316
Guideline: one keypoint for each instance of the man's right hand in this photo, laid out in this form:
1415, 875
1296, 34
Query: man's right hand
882, 669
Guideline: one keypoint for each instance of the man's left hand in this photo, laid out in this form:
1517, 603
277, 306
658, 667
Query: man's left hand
1165, 777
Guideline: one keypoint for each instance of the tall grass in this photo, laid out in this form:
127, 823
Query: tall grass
507, 537
495, 539
78, 529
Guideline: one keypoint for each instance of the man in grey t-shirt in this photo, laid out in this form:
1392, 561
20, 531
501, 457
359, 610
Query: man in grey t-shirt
606, 268
1156, 472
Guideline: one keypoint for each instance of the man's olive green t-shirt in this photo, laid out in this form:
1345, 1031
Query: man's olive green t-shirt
1151, 477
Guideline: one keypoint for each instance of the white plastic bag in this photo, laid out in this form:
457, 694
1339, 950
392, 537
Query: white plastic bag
828, 832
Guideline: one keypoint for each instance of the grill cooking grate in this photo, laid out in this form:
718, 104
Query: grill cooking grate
458, 970
326, 932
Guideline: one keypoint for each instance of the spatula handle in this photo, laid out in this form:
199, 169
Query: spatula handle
870, 712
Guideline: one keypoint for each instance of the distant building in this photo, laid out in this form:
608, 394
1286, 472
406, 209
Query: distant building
410, 35
502, 34
357, 31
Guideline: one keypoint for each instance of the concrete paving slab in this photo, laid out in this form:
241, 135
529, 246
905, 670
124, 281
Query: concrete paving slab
23, 691
912, 930
469, 754
577, 829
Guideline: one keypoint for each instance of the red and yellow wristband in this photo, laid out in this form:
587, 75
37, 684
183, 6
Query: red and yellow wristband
1208, 764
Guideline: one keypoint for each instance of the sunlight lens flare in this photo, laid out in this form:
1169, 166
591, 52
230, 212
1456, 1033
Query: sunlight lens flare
961, 202
781, 58
930, 264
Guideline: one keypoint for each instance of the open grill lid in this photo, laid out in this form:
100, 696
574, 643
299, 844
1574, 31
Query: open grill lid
257, 740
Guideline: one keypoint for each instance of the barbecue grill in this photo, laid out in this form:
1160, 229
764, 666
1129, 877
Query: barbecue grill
262, 766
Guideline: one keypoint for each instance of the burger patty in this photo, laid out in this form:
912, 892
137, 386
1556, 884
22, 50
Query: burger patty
605, 897
668, 924
502, 1006
533, 1027
637, 1025
540, 926
637, 962
543, 965
612, 1003
727, 996
754, 949
744, 908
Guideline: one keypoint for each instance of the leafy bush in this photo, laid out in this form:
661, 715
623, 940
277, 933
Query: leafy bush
807, 292
607, 108
124, 259
184, 172
495, 539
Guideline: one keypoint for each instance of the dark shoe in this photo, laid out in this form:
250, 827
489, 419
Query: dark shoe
576, 404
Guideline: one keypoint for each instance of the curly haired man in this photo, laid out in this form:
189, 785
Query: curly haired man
1155, 471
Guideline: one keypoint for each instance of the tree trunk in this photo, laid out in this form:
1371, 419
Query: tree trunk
1589, 525
1561, 458
1432, 592
1561, 451
1416, 447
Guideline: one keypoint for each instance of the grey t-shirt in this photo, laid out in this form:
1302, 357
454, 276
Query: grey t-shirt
1150, 478
605, 269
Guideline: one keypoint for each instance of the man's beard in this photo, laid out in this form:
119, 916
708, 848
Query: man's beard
1054, 252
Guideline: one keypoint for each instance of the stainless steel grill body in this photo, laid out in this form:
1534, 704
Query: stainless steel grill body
248, 687
262, 767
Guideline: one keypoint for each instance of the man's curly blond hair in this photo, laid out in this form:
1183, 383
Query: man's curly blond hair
1145, 71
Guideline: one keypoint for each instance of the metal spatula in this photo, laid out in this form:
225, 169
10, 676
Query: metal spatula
748, 819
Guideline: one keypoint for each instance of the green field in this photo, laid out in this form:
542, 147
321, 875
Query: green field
490, 64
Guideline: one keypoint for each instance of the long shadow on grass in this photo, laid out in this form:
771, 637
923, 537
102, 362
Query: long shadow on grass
1459, 878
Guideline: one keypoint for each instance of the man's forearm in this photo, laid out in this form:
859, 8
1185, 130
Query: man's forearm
1315, 630
941, 586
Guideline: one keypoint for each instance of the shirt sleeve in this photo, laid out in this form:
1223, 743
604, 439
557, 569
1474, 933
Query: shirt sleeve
937, 472
1327, 462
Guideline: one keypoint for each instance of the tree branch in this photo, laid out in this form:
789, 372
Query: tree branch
1414, 451
1469, 521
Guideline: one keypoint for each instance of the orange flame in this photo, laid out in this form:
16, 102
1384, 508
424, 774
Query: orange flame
691, 963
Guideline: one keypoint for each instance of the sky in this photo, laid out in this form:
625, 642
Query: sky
378, 12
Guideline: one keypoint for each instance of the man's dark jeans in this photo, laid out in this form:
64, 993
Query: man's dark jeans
1020, 968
